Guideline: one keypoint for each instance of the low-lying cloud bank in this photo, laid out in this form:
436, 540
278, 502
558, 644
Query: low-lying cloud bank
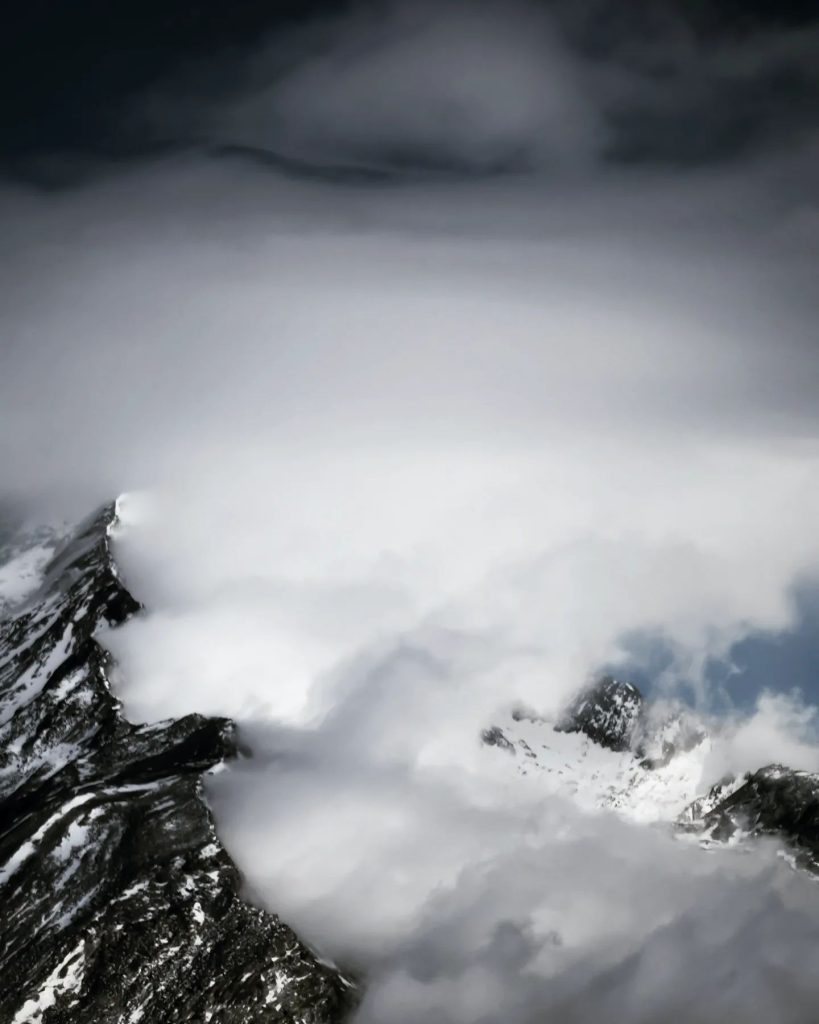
467, 902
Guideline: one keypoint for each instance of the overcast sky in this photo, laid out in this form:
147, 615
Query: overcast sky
448, 352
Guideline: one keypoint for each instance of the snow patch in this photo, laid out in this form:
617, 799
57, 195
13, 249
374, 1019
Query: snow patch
65, 978
29, 848
571, 765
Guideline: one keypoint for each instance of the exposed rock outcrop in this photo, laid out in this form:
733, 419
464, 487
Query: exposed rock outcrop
119, 902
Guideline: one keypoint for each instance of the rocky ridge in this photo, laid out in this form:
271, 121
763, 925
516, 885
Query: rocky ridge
119, 902
774, 801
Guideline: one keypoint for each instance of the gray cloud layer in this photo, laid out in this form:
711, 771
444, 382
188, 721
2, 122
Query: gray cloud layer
485, 86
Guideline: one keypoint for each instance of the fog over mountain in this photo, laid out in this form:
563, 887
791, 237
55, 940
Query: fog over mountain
446, 355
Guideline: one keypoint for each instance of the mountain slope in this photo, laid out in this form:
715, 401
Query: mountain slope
119, 902
606, 752
610, 750
774, 801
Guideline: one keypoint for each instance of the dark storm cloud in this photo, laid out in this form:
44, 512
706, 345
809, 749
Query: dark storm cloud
418, 86
491, 86
67, 68
689, 82
395, 86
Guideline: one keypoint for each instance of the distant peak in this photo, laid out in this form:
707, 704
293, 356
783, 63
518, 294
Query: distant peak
608, 712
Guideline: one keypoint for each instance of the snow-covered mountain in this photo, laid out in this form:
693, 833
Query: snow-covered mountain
612, 750
24, 554
119, 902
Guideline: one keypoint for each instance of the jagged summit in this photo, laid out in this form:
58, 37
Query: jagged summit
119, 902
613, 750
594, 754
608, 712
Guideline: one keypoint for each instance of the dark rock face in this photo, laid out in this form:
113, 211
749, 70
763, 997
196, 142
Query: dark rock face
774, 801
495, 737
119, 903
608, 713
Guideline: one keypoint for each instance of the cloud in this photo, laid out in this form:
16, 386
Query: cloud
396, 88
235, 302
469, 901
782, 729
402, 456
479, 86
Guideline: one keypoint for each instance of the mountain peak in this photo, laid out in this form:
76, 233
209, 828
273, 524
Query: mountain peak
608, 712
